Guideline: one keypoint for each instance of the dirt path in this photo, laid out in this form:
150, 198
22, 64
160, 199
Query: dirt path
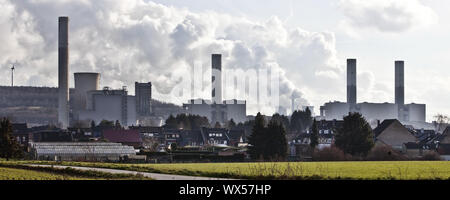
155, 176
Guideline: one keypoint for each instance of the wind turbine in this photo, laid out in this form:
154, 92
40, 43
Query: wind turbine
12, 75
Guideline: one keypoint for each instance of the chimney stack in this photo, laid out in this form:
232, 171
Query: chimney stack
63, 72
400, 88
216, 78
351, 82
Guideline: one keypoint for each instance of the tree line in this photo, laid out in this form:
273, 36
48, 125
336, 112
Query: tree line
268, 142
9, 147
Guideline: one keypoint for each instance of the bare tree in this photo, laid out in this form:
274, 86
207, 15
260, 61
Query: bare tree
441, 122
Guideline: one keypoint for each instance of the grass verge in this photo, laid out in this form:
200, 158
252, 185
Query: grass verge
53, 173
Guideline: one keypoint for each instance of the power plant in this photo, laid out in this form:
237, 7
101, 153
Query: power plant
87, 102
216, 109
375, 111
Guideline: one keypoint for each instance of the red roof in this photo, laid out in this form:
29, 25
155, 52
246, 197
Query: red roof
122, 136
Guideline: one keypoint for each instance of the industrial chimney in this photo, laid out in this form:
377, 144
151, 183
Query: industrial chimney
216, 78
351, 83
63, 72
400, 88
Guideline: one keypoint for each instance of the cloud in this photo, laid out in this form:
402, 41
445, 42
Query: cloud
387, 15
137, 40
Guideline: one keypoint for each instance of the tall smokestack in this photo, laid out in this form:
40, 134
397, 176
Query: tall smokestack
400, 87
351, 82
216, 78
63, 72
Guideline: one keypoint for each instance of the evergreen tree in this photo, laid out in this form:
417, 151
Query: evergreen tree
301, 120
281, 119
117, 124
276, 143
307, 118
231, 124
356, 136
92, 124
171, 123
217, 125
268, 143
9, 148
187, 122
256, 139
314, 135
106, 123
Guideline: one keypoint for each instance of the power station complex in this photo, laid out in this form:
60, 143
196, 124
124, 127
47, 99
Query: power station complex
87, 102
216, 109
375, 111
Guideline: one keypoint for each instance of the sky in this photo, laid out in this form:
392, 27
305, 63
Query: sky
308, 41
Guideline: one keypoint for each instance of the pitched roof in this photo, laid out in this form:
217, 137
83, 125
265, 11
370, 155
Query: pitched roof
383, 126
447, 131
121, 136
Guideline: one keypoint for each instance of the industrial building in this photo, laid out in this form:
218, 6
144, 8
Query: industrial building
375, 111
109, 104
216, 109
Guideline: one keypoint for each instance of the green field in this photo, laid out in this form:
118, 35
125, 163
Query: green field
23, 174
393, 170
14, 170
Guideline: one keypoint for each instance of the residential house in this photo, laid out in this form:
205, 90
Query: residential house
237, 137
445, 136
392, 133
21, 134
444, 151
215, 136
125, 137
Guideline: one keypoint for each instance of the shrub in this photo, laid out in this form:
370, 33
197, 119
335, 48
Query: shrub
431, 156
385, 153
330, 154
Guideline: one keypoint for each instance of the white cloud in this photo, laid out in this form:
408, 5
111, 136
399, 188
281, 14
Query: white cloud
136, 40
386, 15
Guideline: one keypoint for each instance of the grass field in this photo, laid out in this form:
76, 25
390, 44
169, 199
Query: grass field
23, 174
13, 170
395, 170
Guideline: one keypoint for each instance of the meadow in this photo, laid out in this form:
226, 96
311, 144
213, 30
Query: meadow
16, 170
23, 174
358, 170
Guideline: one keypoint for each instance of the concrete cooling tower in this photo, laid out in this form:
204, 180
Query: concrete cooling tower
84, 82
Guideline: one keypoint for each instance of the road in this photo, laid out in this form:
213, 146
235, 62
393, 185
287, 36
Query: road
154, 176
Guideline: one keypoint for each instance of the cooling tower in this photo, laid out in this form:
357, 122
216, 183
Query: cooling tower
84, 82
63, 72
